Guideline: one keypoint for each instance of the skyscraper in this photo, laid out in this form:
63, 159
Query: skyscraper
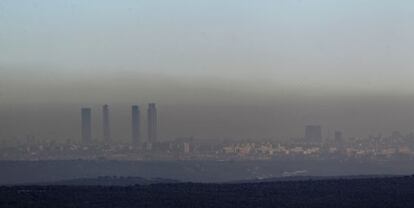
105, 123
152, 122
313, 133
135, 124
339, 140
86, 125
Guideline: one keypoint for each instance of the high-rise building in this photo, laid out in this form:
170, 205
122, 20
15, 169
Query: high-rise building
135, 124
313, 133
152, 123
105, 123
86, 125
339, 140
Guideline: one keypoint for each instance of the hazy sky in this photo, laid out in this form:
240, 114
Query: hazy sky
229, 68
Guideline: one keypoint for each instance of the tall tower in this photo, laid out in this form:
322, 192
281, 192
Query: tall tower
86, 125
106, 124
135, 124
339, 140
152, 122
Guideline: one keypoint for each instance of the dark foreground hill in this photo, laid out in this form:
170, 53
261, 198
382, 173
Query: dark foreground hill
375, 192
108, 181
131, 181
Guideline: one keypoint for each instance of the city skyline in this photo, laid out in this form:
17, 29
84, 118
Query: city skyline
235, 103
312, 133
262, 69
136, 124
171, 113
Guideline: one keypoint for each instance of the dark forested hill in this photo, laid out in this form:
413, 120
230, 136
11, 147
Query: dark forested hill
108, 181
365, 192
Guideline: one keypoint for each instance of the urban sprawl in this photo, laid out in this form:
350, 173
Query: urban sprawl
395, 146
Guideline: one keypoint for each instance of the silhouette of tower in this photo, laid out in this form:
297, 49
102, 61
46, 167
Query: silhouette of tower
86, 125
339, 140
105, 123
152, 123
135, 124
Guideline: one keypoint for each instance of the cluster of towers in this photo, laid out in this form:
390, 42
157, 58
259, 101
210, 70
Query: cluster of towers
86, 126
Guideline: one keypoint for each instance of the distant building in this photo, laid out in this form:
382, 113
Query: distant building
135, 124
86, 125
313, 133
187, 147
105, 123
339, 140
152, 123
185, 143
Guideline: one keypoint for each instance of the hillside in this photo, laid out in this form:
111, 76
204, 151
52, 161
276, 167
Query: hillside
364, 192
